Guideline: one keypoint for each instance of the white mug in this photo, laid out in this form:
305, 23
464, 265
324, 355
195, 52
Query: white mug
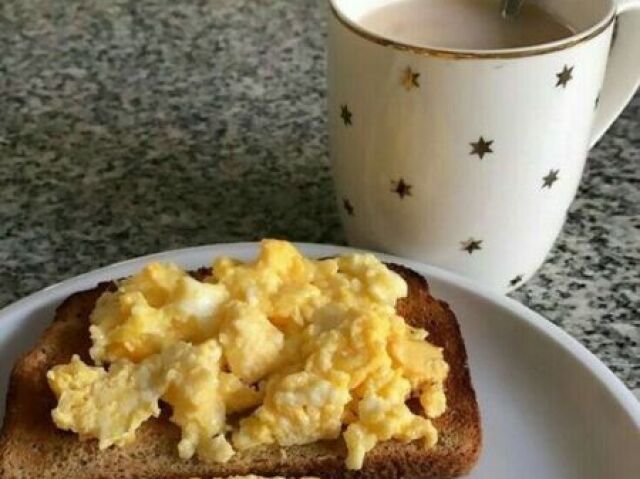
469, 160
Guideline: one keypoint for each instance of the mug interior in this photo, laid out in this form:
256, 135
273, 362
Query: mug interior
585, 17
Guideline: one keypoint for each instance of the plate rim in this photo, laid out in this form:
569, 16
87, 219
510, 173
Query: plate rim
613, 385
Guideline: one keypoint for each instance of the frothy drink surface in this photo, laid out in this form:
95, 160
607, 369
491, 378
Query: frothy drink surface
463, 24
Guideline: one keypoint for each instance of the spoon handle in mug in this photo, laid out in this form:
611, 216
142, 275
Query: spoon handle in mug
510, 8
622, 77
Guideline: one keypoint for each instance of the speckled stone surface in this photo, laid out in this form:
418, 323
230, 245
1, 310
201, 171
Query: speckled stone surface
129, 127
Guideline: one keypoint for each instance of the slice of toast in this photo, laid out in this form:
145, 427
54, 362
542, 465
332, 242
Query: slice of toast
32, 447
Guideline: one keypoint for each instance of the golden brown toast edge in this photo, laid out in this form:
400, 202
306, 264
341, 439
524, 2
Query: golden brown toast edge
31, 446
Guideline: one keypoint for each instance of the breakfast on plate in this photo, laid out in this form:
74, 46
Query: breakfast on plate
284, 366
451, 134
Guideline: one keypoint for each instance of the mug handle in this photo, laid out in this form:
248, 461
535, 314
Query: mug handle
623, 68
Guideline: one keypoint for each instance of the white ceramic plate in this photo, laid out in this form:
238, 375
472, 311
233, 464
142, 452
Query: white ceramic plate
549, 408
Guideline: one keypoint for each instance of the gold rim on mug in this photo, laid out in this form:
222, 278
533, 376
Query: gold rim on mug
571, 41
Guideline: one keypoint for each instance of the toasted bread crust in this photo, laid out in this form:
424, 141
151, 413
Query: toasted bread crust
32, 447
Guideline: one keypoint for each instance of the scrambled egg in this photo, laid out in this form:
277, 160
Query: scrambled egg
151, 311
301, 350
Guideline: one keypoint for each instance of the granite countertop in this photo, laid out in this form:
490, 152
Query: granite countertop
130, 127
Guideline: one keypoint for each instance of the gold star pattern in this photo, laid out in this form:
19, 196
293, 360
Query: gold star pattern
401, 188
481, 147
345, 114
410, 79
564, 77
550, 179
516, 280
471, 245
348, 207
